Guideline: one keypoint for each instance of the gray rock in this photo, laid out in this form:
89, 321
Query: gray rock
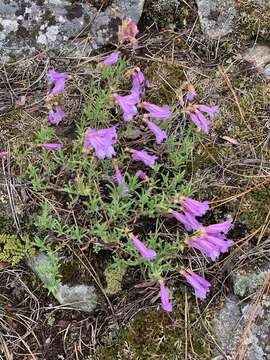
231, 320
229, 325
79, 297
28, 26
229, 335
216, 17
248, 282
259, 57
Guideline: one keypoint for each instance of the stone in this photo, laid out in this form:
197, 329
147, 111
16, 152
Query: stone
230, 314
79, 297
236, 312
247, 282
259, 57
31, 26
229, 325
216, 17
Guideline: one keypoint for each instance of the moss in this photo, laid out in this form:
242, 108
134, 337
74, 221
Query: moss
255, 207
114, 277
254, 19
157, 72
69, 272
169, 13
13, 249
154, 334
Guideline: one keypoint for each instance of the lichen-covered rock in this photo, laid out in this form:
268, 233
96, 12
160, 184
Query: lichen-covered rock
28, 26
231, 321
259, 57
248, 282
229, 335
216, 17
80, 297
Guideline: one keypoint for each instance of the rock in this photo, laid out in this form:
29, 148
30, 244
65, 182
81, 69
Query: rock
259, 57
228, 335
29, 26
229, 325
79, 297
237, 311
216, 17
248, 282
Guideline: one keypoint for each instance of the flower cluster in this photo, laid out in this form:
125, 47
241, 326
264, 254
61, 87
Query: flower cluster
57, 82
210, 240
196, 111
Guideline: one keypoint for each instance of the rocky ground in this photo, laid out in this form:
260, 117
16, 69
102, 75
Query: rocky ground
222, 47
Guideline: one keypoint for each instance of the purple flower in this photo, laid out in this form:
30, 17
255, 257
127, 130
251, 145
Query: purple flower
3, 154
199, 120
159, 134
145, 252
110, 59
141, 174
128, 105
188, 220
223, 227
191, 93
139, 84
56, 146
199, 284
165, 297
148, 160
119, 179
195, 207
210, 110
157, 112
57, 116
58, 79
211, 240
101, 141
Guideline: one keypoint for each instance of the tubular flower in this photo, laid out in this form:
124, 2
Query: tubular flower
128, 105
210, 110
146, 253
139, 83
56, 146
188, 220
110, 59
195, 113
119, 179
200, 121
101, 141
127, 31
157, 112
191, 93
148, 160
199, 284
56, 116
211, 240
59, 80
194, 207
141, 174
165, 297
159, 134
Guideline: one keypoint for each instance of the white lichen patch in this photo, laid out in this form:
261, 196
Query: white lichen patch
49, 37
52, 33
9, 25
42, 39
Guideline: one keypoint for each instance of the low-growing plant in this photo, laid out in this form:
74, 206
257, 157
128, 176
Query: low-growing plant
106, 201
